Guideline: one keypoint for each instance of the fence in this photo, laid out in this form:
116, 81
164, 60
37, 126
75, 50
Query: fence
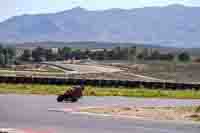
100, 83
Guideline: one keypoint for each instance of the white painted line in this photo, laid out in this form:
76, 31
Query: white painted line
92, 114
74, 109
9, 130
61, 110
109, 115
146, 77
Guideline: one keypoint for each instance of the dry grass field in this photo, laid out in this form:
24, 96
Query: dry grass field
177, 72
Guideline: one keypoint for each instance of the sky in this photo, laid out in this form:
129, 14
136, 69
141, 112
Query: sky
9, 8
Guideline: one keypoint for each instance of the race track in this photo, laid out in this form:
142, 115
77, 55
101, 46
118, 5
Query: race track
31, 113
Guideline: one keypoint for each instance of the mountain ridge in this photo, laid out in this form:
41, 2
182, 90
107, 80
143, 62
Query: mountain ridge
170, 25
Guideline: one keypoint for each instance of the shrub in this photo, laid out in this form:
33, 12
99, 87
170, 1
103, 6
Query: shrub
197, 109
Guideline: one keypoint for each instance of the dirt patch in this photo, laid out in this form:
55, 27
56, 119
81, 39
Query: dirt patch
150, 113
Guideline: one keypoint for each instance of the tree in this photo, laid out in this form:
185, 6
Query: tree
140, 56
105, 54
184, 57
38, 54
143, 54
155, 54
123, 54
110, 55
78, 54
99, 55
1, 48
67, 49
87, 53
50, 56
65, 52
2, 59
132, 53
117, 53
11, 54
26, 56
6, 56
169, 57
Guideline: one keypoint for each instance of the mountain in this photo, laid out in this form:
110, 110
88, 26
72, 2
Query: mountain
173, 25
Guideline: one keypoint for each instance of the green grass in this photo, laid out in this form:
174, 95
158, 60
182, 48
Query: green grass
32, 89
50, 70
97, 91
7, 72
137, 92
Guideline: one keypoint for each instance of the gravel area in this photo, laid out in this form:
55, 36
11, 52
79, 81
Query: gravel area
149, 113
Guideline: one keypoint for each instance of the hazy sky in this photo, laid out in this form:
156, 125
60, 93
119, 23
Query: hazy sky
10, 8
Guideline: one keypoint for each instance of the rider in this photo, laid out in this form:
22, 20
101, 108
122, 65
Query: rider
73, 94
76, 91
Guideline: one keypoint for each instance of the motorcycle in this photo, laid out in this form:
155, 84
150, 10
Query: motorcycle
72, 95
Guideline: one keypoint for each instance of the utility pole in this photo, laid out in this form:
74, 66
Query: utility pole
128, 54
6, 57
174, 66
135, 55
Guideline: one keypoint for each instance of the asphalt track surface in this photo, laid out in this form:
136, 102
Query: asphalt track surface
31, 113
84, 68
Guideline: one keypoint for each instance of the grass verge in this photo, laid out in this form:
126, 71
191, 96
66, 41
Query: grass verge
97, 91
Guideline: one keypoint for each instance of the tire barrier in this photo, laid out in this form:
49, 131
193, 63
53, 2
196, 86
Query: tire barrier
100, 83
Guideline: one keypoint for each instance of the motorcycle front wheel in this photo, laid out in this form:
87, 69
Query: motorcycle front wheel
60, 98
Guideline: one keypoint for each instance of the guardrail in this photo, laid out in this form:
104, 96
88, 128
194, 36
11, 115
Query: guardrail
100, 83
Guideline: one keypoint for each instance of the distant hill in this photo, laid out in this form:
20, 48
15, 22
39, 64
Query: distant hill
84, 44
173, 25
